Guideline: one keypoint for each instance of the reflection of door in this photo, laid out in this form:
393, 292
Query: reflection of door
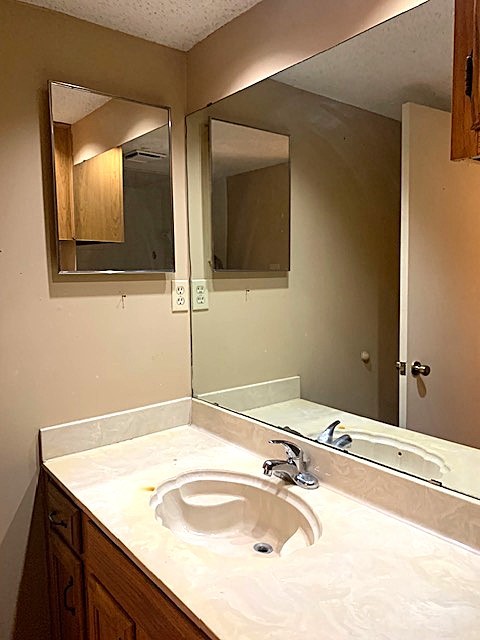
440, 281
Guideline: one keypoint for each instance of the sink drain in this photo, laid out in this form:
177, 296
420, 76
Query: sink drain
263, 547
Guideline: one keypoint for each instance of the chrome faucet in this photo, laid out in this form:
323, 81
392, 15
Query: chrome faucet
293, 469
327, 437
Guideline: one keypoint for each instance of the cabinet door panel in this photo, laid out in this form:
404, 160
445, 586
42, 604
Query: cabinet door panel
106, 619
466, 81
158, 617
62, 137
66, 592
98, 196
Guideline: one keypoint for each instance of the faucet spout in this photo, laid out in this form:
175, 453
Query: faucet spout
328, 437
271, 466
327, 434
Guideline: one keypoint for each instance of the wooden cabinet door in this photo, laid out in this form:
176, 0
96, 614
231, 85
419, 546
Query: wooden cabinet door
66, 592
62, 144
106, 618
131, 594
472, 71
466, 81
98, 197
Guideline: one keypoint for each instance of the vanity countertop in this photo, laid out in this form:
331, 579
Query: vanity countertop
370, 576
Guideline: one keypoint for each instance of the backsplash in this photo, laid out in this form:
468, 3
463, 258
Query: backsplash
81, 435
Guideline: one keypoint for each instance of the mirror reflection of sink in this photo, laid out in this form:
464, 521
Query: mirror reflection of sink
231, 513
398, 454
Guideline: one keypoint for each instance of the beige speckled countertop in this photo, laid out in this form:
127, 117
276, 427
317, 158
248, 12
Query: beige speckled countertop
370, 576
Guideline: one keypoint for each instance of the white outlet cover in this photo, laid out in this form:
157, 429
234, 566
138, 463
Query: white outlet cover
199, 295
180, 297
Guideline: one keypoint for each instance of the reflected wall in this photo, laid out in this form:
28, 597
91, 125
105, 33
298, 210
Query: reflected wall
341, 296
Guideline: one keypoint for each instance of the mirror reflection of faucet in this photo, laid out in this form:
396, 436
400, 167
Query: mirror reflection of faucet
327, 437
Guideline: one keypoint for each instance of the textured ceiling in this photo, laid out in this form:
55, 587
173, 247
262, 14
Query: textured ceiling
175, 23
407, 59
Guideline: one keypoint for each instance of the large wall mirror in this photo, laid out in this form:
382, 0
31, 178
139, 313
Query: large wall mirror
113, 188
370, 343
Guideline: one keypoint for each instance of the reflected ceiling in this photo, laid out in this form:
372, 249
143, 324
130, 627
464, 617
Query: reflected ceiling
359, 72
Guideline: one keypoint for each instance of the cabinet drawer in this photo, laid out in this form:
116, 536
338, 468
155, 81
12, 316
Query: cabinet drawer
64, 517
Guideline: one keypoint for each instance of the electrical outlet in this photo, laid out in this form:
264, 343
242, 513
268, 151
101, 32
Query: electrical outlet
180, 295
199, 295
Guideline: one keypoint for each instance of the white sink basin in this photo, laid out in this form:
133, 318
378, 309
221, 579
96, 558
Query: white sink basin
398, 454
230, 513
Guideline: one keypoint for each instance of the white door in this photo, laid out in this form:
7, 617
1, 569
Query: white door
440, 281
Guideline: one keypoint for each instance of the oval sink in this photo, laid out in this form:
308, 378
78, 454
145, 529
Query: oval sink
398, 454
235, 514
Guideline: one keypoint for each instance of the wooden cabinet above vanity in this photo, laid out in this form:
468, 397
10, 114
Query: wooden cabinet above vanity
96, 592
466, 82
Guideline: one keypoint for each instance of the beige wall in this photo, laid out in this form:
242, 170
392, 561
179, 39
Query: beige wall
274, 35
258, 219
68, 348
341, 295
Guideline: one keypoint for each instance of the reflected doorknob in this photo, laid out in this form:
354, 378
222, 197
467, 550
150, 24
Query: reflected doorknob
419, 369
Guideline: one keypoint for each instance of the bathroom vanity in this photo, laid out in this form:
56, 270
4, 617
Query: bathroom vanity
94, 585
120, 568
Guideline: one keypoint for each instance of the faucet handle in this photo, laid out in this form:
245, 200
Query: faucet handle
292, 450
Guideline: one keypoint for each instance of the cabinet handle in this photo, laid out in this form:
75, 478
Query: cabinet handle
69, 586
469, 75
56, 523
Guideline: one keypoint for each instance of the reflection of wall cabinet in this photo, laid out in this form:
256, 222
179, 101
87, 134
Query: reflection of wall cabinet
64, 180
98, 195
466, 81
121, 603
89, 194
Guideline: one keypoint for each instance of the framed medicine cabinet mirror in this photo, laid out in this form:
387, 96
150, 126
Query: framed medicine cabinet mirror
113, 187
250, 198
370, 344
